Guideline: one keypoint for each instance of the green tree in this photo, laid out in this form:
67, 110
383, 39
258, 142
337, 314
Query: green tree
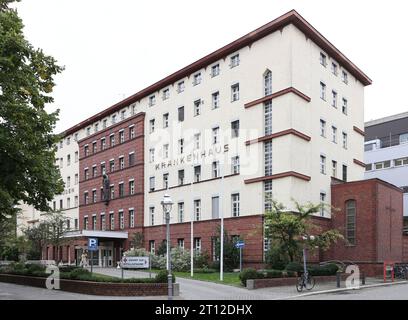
286, 230
56, 224
231, 253
27, 144
138, 240
38, 236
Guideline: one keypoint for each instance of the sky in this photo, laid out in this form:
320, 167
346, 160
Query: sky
113, 49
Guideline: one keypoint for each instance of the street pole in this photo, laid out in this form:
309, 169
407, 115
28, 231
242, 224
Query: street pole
222, 231
169, 276
192, 231
240, 259
91, 261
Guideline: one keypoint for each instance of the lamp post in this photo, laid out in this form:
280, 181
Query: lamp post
304, 253
167, 204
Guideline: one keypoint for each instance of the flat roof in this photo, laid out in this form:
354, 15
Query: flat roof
291, 17
386, 119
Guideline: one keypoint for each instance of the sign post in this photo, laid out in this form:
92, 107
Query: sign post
92, 246
240, 245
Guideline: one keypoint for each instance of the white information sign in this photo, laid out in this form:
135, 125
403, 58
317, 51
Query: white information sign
135, 262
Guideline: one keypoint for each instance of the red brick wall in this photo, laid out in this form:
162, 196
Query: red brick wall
405, 248
250, 228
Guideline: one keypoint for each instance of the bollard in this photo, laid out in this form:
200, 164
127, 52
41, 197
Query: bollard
338, 278
363, 279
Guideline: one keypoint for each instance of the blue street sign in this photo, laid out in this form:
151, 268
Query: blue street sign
240, 244
92, 244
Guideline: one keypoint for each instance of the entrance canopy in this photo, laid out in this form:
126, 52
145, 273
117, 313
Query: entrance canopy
96, 234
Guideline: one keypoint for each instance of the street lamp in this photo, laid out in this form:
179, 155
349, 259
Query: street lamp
167, 204
304, 253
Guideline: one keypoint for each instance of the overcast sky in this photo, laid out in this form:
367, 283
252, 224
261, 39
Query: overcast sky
112, 49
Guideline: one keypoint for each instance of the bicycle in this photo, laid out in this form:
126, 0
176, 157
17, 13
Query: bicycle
305, 281
401, 272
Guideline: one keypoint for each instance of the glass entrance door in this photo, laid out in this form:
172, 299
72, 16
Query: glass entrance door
107, 258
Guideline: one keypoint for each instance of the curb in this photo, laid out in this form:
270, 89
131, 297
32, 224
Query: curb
344, 289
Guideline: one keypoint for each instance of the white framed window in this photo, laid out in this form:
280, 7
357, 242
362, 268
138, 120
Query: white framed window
215, 100
215, 207
166, 94
268, 83
215, 135
334, 99
180, 243
334, 69
235, 204
113, 119
123, 115
344, 140
181, 146
268, 195
344, 107
344, 77
68, 160
76, 156
235, 92
334, 168
180, 113
88, 131
197, 245
197, 138
322, 128
132, 187
151, 213
104, 123
322, 164
151, 125
76, 178
322, 202
197, 210
131, 132
401, 162
112, 221
181, 212
403, 138
323, 59
268, 158
197, 107
166, 151
121, 162
103, 222
152, 182
180, 86
334, 134
165, 120
268, 117
234, 60
215, 169
322, 91
151, 155
235, 129
181, 177
103, 143
235, 165
197, 79
215, 70
165, 181
197, 173
152, 100
131, 218
152, 246
121, 136
121, 220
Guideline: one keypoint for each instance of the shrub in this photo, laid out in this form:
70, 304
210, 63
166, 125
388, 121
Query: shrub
35, 268
68, 268
276, 259
249, 273
201, 260
161, 277
326, 270
294, 266
77, 273
274, 274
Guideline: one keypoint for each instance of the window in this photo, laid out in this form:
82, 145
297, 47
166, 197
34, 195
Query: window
180, 86
215, 135
197, 210
344, 108
334, 69
152, 246
166, 151
181, 146
334, 99
133, 109
94, 222
121, 190
112, 165
94, 147
86, 150
322, 91
61, 144
61, 162
215, 169
152, 101
151, 155
68, 182
351, 221
181, 212
113, 119
86, 199
76, 136
334, 168
400, 162
104, 123
121, 220
76, 156
322, 128
268, 83
197, 138
151, 183
197, 245
112, 140
268, 117
369, 167
323, 59
234, 61
344, 173
151, 216
235, 92
165, 181
165, 120
94, 171
112, 221
344, 77
112, 192
197, 107
68, 203
181, 114
121, 136
131, 132
76, 178
88, 131
151, 126
131, 218
103, 144
215, 98
235, 165
197, 173
68, 160
180, 243
235, 129
86, 174
54, 206
75, 201
166, 94
334, 134
132, 187
103, 169
121, 163
62, 204
215, 207
403, 138
181, 177
68, 141
197, 79
322, 202
131, 159
86, 223
322, 164
103, 222
344, 140
268, 158
215, 70
235, 204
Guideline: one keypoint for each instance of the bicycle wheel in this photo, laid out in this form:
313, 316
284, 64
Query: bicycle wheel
309, 283
299, 284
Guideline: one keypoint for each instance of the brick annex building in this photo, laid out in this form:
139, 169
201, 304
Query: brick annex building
276, 114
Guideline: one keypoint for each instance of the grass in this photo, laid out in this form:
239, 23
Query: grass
230, 278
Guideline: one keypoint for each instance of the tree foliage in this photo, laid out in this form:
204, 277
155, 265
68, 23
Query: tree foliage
286, 230
27, 144
231, 253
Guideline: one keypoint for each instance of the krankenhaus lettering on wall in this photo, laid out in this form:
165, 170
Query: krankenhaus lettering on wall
194, 156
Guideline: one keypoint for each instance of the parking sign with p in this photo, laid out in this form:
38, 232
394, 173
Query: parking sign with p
92, 244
